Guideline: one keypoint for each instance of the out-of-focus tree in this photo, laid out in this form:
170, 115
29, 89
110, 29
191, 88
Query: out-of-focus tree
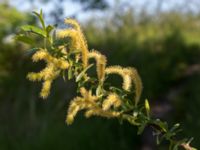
94, 4
86, 5
10, 18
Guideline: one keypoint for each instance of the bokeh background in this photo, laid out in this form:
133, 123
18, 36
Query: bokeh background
161, 38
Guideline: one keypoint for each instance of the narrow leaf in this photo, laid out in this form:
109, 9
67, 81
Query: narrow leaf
82, 73
36, 30
70, 73
40, 16
24, 39
31, 51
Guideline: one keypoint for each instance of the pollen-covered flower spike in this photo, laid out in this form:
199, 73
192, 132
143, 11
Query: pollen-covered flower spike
123, 73
111, 100
100, 63
77, 37
52, 70
90, 103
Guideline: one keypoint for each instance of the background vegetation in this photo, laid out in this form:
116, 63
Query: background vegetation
165, 48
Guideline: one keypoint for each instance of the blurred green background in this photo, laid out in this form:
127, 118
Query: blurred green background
161, 39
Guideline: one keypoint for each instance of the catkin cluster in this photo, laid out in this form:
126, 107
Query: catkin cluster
90, 103
52, 70
108, 103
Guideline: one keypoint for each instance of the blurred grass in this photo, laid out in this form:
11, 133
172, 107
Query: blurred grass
164, 49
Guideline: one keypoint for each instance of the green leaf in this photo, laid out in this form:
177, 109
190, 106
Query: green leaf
40, 16
79, 77
99, 90
31, 51
36, 30
70, 75
24, 39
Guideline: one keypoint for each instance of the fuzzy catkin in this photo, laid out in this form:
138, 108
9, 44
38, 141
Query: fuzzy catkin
45, 89
138, 84
78, 39
100, 63
111, 100
126, 85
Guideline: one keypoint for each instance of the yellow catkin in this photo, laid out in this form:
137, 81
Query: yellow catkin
63, 64
76, 105
73, 34
42, 55
78, 42
60, 63
72, 110
39, 55
82, 40
138, 83
32, 76
87, 95
112, 100
129, 75
102, 113
72, 22
83, 91
127, 79
78, 39
57, 62
45, 89
84, 49
123, 73
100, 63
71, 115
47, 72
67, 33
